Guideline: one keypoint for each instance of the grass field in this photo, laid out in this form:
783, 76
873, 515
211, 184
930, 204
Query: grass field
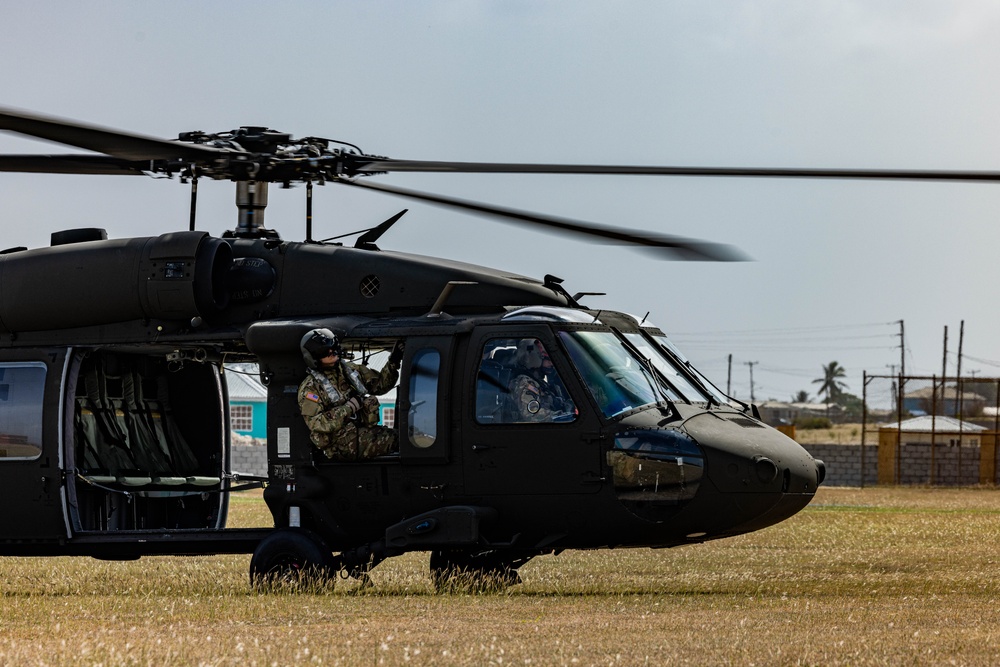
861, 577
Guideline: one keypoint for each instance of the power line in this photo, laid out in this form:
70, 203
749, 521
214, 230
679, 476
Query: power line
831, 327
780, 347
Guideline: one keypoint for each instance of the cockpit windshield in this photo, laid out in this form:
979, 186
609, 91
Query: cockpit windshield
717, 394
666, 366
617, 380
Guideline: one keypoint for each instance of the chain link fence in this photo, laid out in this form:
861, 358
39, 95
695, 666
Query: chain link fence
931, 430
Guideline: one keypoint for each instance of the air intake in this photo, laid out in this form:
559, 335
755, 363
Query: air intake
79, 236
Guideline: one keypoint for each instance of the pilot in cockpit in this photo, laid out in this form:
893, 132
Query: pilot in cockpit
537, 393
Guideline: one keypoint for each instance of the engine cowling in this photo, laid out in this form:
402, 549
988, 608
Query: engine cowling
173, 276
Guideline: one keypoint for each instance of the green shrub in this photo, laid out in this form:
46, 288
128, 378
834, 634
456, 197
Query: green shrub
812, 423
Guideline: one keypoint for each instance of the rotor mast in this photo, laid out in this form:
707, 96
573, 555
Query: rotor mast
251, 200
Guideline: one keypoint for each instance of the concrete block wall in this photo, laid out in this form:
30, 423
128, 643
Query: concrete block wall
249, 457
953, 465
843, 463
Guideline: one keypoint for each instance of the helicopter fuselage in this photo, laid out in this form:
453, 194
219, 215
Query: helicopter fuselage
114, 426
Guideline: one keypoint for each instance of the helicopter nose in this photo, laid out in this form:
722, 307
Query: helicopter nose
759, 476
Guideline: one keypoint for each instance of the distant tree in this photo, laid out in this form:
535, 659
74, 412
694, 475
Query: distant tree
830, 384
853, 406
801, 397
988, 390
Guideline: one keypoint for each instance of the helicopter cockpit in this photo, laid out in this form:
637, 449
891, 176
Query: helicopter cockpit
625, 370
673, 430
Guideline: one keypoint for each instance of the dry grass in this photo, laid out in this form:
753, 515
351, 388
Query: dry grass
861, 577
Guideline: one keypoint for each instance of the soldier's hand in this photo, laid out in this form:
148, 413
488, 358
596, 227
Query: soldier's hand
396, 355
354, 404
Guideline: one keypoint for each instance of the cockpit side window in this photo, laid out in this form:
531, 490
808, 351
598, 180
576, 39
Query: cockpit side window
518, 383
22, 389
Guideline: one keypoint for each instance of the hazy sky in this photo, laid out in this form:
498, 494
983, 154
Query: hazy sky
907, 84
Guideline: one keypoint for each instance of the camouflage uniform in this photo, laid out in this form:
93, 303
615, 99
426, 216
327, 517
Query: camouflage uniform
339, 434
536, 400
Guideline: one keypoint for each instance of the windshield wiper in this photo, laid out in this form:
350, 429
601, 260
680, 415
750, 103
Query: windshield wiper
692, 374
653, 377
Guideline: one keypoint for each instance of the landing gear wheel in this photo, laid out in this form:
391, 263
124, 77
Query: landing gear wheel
474, 572
291, 559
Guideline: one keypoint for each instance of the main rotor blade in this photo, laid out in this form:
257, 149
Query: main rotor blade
387, 165
71, 164
673, 246
116, 143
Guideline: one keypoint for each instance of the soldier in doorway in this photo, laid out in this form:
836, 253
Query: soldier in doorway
337, 400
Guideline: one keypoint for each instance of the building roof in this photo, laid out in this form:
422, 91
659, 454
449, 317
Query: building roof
950, 393
245, 387
941, 424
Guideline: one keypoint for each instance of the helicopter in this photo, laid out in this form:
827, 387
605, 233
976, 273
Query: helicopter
115, 432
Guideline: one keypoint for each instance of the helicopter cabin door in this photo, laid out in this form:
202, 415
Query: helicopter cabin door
32, 423
530, 428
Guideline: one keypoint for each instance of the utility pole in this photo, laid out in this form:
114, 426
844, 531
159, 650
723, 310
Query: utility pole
902, 350
900, 391
958, 369
958, 393
894, 388
729, 377
944, 363
959, 385
961, 338
751, 364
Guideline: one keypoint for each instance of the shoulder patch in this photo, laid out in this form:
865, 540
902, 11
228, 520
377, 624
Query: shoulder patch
312, 397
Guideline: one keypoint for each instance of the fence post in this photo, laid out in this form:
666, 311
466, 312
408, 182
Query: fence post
888, 446
987, 458
864, 421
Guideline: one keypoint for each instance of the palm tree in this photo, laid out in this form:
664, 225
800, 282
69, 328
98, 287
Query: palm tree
801, 397
830, 383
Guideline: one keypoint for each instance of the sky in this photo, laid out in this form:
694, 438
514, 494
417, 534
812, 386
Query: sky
836, 265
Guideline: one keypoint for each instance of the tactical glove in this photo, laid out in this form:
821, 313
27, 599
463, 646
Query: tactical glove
397, 353
354, 404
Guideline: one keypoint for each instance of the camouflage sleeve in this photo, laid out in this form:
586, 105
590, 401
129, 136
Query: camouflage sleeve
379, 382
529, 402
331, 421
317, 419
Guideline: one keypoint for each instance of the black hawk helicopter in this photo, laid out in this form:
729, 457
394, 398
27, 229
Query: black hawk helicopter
114, 425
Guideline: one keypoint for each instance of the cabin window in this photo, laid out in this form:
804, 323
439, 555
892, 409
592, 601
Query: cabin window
22, 390
517, 383
389, 417
424, 373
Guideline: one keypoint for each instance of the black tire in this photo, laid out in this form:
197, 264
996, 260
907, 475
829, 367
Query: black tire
292, 559
473, 572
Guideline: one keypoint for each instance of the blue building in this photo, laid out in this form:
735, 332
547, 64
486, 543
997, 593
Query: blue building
248, 402
926, 401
